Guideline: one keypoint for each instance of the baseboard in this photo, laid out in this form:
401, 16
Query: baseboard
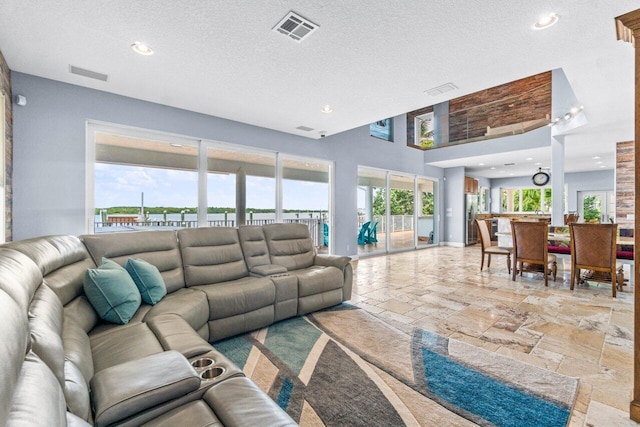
454, 244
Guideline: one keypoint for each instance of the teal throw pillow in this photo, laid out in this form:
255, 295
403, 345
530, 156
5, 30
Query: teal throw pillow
148, 279
112, 292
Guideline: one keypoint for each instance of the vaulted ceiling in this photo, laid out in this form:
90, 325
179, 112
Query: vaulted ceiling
367, 59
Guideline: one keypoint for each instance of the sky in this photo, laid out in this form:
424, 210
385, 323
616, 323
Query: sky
119, 185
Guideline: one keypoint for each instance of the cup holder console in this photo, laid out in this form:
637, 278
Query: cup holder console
212, 373
202, 363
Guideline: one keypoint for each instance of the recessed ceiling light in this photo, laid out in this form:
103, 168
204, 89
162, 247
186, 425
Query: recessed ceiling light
599, 163
538, 163
529, 158
595, 157
492, 168
602, 166
480, 164
141, 48
326, 109
545, 21
567, 116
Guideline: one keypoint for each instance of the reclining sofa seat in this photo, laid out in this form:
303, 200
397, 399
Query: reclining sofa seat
47, 356
214, 264
323, 280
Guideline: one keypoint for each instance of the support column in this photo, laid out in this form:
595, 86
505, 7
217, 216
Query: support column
628, 29
241, 197
368, 204
557, 180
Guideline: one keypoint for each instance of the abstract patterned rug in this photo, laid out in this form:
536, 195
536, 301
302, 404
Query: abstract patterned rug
345, 367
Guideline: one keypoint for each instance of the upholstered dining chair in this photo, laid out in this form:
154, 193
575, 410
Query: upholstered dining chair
530, 251
593, 247
487, 248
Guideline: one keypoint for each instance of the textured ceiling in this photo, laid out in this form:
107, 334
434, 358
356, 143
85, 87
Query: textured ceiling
368, 59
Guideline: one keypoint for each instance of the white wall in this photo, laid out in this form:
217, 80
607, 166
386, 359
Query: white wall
49, 152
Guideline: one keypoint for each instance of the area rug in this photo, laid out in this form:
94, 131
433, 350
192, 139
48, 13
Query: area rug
345, 367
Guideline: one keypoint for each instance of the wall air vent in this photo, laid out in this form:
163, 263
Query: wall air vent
295, 26
441, 89
88, 73
304, 128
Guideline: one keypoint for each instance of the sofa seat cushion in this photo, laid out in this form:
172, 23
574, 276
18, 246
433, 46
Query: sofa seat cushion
192, 414
238, 401
122, 344
318, 279
239, 296
190, 304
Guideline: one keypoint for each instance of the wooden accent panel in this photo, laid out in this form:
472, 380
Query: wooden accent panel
510, 103
625, 181
628, 29
5, 88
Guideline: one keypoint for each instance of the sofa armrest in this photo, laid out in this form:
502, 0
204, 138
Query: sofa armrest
268, 269
124, 390
337, 261
174, 333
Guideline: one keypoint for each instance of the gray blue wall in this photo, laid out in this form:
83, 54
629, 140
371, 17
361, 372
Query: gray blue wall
49, 153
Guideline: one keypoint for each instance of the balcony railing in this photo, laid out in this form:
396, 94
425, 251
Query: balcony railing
316, 225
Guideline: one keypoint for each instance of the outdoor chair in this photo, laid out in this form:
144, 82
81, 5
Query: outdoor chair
487, 248
530, 251
325, 234
362, 233
593, 247
371, 236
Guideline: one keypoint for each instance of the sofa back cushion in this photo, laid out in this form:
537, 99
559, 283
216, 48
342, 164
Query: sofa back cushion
290, 245
45, 328
254, 246
62, 260
14, 330
211, 255
19, 277
159, 248
37, 399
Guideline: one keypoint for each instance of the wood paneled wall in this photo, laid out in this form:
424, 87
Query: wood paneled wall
625, 182
5, 88
507, 104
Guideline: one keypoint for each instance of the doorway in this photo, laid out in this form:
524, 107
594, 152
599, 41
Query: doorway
596, 206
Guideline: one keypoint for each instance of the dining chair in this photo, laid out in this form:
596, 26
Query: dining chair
530, 251
571, 218
593, 247
487, 248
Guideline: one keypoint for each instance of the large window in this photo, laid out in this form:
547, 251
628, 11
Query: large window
526, 200
144, 183
306, 196
140, 180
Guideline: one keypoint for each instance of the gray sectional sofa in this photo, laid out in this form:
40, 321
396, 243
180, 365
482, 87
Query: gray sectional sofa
60, 364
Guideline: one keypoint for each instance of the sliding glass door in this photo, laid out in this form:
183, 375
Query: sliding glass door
396, 212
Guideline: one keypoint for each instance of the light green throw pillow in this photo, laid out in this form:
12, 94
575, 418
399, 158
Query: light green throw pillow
148, 279
112, 292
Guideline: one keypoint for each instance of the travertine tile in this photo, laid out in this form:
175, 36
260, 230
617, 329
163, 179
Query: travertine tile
583, 333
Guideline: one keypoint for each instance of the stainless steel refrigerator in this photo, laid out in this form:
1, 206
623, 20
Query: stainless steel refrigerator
471, 210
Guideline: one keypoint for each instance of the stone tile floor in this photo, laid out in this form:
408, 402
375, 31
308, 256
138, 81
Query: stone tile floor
583, 333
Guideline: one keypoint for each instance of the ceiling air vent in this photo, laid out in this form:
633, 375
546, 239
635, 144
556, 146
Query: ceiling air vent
295, 26
88, 73
304, 128
441, 89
